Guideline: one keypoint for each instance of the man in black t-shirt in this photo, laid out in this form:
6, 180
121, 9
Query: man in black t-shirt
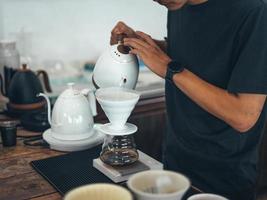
215, 68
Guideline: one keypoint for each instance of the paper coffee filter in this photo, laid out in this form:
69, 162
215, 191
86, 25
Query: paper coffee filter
117, 95
117, 103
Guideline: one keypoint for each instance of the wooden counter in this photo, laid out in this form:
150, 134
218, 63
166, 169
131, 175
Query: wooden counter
18, 180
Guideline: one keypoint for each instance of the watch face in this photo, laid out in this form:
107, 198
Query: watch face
175, 66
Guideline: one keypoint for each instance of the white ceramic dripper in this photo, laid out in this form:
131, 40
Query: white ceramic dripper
117, 103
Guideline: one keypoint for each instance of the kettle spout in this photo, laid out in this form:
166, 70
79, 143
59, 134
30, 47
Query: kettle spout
92, 100
48, 106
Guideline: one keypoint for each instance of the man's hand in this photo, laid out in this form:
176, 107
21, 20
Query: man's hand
148, 50
121, 28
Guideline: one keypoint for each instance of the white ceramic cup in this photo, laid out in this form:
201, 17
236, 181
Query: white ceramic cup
169, 185
99, 192
206, 196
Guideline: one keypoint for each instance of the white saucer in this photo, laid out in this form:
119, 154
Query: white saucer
107, 129
75, 145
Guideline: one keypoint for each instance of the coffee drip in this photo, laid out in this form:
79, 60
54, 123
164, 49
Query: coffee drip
119, 148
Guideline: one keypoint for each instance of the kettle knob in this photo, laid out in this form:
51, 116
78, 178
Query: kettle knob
70, 85
24, 66
122, 48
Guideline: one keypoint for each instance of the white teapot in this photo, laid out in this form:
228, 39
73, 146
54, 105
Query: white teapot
72, 115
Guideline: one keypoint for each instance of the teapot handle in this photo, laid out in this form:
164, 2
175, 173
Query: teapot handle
92, 100
45, 80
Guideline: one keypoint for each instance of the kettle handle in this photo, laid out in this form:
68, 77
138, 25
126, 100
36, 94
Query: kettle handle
92, 100
45, 80
3, 97
2, 85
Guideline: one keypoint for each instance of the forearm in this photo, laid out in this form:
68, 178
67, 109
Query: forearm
239, 111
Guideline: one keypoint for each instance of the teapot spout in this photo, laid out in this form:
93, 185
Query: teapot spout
48, 106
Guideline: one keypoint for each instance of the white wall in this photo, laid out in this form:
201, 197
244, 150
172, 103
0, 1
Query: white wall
74, 30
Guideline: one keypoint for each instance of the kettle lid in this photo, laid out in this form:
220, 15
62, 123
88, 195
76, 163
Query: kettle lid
70, 92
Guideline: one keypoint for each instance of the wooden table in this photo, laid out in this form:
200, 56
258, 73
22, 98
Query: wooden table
18, 180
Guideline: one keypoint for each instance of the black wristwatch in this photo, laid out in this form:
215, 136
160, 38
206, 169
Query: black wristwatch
173, 68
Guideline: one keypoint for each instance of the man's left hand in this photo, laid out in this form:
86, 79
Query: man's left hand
151, 54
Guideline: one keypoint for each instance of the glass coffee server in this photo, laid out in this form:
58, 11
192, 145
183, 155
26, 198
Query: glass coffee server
119, 148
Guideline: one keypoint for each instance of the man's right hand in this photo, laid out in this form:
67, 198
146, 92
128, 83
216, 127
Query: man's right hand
121, 28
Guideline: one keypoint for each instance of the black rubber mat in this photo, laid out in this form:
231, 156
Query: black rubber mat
71, 170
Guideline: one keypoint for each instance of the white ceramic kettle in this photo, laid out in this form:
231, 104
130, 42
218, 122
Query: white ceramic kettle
72, 115
116, 67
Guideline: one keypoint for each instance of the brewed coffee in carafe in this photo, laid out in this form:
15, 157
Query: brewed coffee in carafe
119, 150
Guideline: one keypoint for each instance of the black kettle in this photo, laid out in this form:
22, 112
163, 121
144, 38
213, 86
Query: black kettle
21, 87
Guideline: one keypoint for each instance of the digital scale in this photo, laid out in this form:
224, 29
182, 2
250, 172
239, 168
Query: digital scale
121, 174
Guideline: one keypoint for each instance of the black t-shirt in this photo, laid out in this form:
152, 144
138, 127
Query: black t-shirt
224, 42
